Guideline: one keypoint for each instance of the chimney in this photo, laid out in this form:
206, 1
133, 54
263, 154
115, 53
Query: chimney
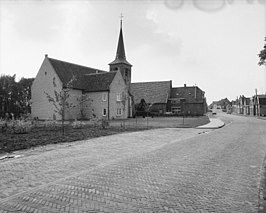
46, 55
185, 85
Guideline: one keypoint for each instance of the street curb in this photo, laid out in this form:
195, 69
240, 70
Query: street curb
215, 123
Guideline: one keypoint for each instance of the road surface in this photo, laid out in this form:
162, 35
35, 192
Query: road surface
163, 170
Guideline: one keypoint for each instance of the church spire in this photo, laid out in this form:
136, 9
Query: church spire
120, 57
120, 52
120, 63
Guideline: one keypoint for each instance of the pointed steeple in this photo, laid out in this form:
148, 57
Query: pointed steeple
120, 63
120, 52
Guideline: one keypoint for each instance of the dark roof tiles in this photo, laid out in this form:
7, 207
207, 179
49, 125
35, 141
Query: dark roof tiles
99, 82
86, 78
151, 92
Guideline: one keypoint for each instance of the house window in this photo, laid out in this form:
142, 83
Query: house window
119, 111
176, 110
104, 112
118, 97
104, 97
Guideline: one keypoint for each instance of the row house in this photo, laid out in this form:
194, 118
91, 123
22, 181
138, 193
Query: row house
251, 106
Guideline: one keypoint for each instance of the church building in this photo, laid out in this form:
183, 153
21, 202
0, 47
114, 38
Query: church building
94, 93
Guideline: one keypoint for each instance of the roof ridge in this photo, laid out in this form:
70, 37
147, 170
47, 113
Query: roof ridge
76, 64
101, 73
150, 82
186, 87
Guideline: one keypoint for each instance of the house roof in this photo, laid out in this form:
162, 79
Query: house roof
151, 92
66, 71
99, 82
191, 94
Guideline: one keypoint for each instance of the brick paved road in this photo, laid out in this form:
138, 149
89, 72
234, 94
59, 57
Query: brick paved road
165, 170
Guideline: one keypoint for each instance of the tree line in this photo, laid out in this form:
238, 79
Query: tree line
15, 97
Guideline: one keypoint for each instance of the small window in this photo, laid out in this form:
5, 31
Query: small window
119, 111
104, 112
176, 110
104, 97
45, 73
118, 97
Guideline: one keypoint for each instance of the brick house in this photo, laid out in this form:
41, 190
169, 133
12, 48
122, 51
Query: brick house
187, 100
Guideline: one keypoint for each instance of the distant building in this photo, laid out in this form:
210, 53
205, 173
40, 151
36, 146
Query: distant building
261, 105
188, 100
155, 94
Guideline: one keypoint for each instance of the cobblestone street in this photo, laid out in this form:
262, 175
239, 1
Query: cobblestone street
163, 170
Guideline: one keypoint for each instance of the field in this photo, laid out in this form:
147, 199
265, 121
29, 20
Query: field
42, 135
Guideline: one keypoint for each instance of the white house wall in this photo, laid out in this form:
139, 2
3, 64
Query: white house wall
97, 105
43, 82
73, 112
118, 86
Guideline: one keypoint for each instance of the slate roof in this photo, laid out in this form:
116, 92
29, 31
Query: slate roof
66, 71
120, 52
98, 82
188, 93
151, 92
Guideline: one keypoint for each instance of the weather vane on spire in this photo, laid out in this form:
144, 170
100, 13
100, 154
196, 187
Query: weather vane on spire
121, 19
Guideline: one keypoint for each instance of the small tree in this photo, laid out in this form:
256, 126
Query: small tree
83, 99
60, 100
142, 107
262, 55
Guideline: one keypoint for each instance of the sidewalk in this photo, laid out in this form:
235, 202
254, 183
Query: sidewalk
215, 123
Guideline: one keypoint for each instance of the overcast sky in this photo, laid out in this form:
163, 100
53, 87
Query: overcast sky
211, 43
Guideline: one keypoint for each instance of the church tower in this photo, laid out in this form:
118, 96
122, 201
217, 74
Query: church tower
120, 63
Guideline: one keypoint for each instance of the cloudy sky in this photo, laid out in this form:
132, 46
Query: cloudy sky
209, 43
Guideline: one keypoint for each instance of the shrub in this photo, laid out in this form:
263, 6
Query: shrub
50, 124
17, 126
77, 124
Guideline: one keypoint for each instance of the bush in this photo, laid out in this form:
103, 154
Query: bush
77, 124
16, 126
50, 124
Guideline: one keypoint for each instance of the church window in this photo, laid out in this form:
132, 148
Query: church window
119, 111
118, 97
104, 97
104, 112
